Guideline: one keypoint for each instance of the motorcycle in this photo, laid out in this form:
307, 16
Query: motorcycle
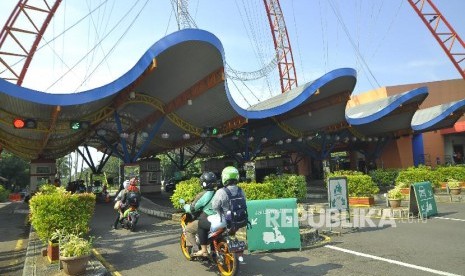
130, 218
224, 249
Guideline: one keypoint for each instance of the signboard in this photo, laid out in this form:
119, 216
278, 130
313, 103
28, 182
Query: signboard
275, 224
422, 202
337, 193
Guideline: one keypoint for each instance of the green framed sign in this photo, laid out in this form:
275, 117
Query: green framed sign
275, 224
422, 202
338, 195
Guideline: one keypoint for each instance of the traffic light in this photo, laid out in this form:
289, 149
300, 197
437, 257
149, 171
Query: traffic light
24, 123
211, 131
239, 132
76, 125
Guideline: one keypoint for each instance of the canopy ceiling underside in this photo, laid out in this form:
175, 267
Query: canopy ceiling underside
178, 88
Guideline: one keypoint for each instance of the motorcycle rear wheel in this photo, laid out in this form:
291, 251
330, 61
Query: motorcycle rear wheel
184, 249
230, 264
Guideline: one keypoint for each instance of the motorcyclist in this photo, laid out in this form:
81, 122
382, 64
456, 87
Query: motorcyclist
220, 205
131, 197
118, 203
200, 206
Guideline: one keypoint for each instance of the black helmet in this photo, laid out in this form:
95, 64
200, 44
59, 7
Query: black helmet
208, 180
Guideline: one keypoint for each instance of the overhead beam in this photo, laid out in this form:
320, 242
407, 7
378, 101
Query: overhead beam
51, 129
326, 102
199, 88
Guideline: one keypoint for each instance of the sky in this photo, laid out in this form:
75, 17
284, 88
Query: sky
385, 41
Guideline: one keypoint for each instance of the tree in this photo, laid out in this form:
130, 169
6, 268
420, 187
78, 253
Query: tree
112, 169
15, 169
63, 168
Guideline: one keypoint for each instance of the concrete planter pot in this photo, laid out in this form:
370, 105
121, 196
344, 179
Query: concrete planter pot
455, 191
395, 203
74, 265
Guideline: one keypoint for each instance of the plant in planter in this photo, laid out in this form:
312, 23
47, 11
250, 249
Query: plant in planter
450, 172
455, 186
74, 252
418, 174
53, 208
395, 197
403, 187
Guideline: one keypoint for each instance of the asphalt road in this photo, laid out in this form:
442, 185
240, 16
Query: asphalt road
411, 248
13, 238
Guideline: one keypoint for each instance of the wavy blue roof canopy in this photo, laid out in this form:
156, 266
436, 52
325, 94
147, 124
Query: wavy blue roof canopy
287, 101
435, 117
372, 111
119, 84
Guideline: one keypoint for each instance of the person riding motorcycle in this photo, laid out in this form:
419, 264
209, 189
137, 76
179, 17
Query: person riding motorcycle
220, 205
125, 201
200, 206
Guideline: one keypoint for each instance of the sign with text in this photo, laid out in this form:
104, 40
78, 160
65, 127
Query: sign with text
275, 224
422, 202
337, 193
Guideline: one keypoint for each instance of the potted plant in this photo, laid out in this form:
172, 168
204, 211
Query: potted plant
74, 252
454, 186
395, 197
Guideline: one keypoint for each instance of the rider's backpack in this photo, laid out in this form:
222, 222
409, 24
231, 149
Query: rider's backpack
237, 205
133, 199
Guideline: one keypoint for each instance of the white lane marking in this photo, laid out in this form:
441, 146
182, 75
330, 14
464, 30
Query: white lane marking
454, 219
392, 261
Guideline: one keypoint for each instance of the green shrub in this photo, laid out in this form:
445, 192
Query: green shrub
58, 209
186, 190
358, 184
288, 185
344, 173
384, 177
418, 174
4, 193
257, 191
361, 185
456, 172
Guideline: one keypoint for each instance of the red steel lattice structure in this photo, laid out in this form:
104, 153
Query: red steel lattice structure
14, 32
447, 37
287, 73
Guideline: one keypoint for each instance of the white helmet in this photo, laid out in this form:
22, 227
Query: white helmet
126, 184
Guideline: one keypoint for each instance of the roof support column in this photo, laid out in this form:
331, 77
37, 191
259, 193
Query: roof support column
418, 149
195, 154
112, 147
90, 164
103, 161
127, 158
